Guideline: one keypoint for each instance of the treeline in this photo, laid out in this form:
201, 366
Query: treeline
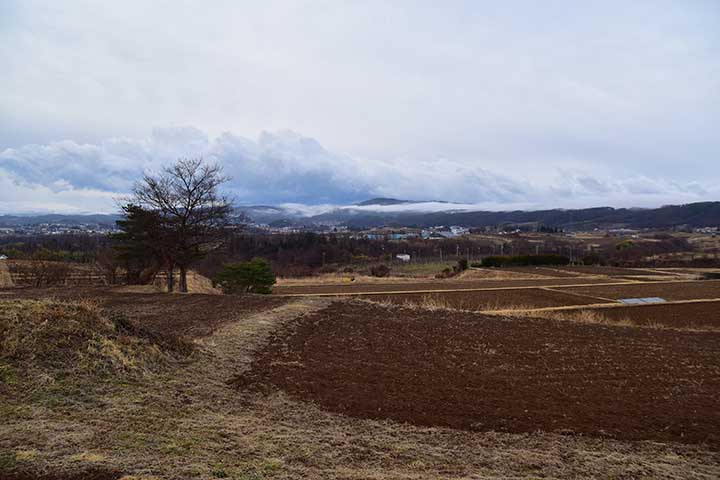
63, 248
302, 254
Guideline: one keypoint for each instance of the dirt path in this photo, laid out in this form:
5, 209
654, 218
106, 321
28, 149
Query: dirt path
234, 344
6, 280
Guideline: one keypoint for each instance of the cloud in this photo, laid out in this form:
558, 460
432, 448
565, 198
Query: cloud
492, 103
35, 198
288, 168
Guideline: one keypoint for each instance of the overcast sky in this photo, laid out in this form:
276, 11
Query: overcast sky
506, 104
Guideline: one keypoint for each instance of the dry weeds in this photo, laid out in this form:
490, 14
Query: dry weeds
6, 280
186, 422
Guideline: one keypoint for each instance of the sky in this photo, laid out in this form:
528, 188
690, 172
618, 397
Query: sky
502, 104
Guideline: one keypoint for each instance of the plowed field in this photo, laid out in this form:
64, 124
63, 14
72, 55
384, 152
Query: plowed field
701, 315
668, 291
434, 285
491, 300
193, 315
475, 372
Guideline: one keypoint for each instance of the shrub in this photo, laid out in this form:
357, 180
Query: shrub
381, 270
462, 265
592, 259
254, 276
446, 273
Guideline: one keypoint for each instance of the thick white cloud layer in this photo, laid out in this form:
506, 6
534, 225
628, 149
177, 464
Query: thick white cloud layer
553, 103
285, 167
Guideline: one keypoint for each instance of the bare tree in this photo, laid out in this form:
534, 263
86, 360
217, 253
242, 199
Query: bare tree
106, 262
46, 272
192, 210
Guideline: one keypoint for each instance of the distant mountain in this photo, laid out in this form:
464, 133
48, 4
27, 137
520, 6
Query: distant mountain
411, 214
379, 212
382, 201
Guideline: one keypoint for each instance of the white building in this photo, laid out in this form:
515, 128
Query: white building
403, 257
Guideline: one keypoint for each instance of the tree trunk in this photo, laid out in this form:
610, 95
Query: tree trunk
183, 280
170, 279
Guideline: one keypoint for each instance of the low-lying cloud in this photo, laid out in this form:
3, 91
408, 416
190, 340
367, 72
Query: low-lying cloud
288, 168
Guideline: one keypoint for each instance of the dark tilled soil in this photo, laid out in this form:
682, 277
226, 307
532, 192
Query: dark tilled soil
193, 315
688, 315
489, 300
434, 285
91, 474
474, 372
668, 291
611, 271
190, 315
546, 271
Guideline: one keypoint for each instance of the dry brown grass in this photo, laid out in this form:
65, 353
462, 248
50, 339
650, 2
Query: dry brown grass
436, 303
578, 316
6, 280
500, 274
186, 422
49, 341
427, 302
346, 279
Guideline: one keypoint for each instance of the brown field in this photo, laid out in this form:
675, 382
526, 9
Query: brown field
22, 273
686, 316
482, 373
668, 291
310, 387
489, 300
544, 271
449, 284
193, 315
609, 271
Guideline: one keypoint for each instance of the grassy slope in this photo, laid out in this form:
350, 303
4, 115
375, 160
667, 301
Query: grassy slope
159, 414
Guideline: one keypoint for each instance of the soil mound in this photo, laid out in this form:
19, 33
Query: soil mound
54, 339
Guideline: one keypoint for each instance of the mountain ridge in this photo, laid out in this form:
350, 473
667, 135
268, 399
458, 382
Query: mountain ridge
363, 215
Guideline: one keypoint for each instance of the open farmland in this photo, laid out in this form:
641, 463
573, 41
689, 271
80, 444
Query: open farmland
396, 385
694, 315
668, 291
484, 373
490, 299
609, 271
190, 315
430, 285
